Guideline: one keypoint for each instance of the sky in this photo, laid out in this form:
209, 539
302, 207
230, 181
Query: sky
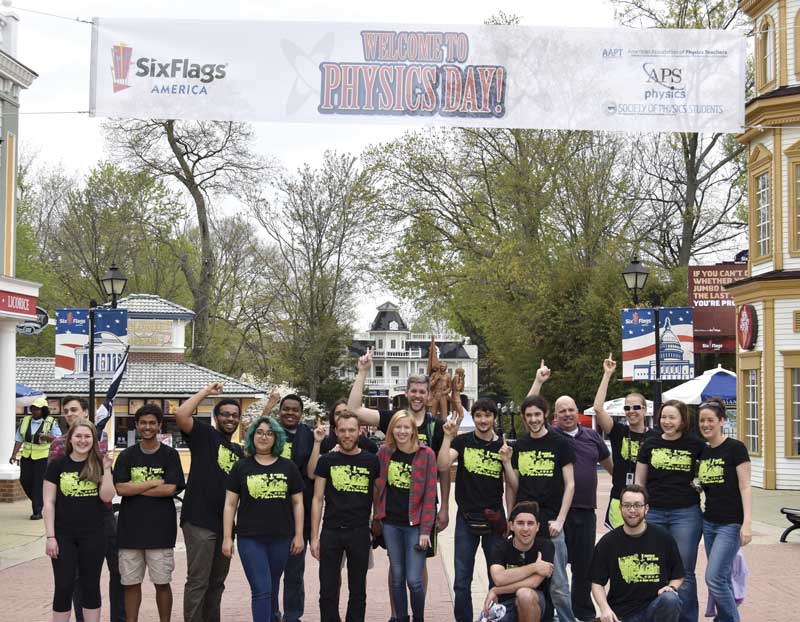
59, 51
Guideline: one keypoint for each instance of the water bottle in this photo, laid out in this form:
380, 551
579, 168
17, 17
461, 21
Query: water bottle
496, 611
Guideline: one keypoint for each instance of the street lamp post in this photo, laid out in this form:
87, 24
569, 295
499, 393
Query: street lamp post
635, 277
113, 282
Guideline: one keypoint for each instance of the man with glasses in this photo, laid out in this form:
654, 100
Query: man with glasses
213, 456
643, 565
625, 439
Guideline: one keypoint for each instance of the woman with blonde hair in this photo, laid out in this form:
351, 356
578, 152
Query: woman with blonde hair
76, 486
405, 510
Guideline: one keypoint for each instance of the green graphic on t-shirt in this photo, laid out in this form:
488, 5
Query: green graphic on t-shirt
482, 462
267, 486
640, 568
630, 449
72, 485
399, 475
226, 458
349, 478
671, 459
287, 451
423, 439
146, 474
712, 471
537, 463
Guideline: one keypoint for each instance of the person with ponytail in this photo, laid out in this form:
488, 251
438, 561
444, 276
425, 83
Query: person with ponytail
76, 486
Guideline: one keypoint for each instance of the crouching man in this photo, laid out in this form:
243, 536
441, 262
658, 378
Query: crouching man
642, 563
521, 568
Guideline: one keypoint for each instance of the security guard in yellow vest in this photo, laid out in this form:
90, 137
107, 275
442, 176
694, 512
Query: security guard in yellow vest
34, 436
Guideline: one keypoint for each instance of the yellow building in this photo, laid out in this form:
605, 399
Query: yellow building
156, 372
768, 300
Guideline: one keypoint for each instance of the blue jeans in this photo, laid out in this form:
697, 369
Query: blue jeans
294, 594
686, 526
263, 560
722, 544
466, 545
406, 565
559, 583
665, 608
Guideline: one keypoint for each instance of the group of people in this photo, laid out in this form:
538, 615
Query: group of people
529, 504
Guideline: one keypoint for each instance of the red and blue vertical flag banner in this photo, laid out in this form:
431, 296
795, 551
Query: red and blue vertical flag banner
676, 352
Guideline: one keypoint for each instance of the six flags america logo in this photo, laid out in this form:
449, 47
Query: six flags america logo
121, 64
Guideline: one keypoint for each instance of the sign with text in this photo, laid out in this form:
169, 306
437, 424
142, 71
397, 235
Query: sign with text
713, 308
676, 353
618, 79
150, 333
18, 304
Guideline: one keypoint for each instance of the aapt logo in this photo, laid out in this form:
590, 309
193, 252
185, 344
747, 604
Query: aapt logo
120, 68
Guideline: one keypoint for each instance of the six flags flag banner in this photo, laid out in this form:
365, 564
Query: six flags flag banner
676, 354
620, 79
72, 342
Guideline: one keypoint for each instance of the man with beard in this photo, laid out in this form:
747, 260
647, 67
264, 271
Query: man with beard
643, 564
343, 483
147, 475
484, 463
543, 472
580, 527
520, 568
213, 456
430, 433
298, 448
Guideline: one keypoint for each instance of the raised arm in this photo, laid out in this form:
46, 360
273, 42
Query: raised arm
604, 420
542, 376
447, 455
184, 414
367, 416
320, 432
272, 402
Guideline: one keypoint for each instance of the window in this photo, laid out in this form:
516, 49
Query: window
379, 371
766, 54
395, 371
393, 345
752, 420
794, 449
762, 215
380, 344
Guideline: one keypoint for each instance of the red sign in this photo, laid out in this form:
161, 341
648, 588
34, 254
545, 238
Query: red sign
747, 327
713, 309
20, 304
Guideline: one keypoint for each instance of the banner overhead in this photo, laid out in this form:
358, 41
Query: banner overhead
676, 343
619, 79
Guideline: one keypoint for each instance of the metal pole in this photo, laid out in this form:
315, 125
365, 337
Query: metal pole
92, 305
657, 383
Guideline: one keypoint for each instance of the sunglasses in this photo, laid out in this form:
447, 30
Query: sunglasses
628, 407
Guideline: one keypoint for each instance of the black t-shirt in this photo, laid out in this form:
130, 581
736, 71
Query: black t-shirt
398, 485
720, 481
671, 467
364, 443
148, 522
265, 497
213, 457
540, 462
505, 554
430, 433
625, 446
637, 566
479, 478
349, 482
78, 506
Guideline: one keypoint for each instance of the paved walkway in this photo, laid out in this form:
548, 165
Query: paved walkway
26, 579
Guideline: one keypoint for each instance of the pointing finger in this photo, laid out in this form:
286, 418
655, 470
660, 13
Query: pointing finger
542, 363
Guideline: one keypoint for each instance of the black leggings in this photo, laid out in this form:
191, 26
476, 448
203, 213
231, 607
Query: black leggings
84, 553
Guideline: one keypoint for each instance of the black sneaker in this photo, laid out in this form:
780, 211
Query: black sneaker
36, 516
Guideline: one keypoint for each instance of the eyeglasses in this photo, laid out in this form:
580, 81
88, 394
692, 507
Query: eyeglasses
628, 407
632, 506
265, 433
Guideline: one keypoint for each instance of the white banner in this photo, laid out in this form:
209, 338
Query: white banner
617, 79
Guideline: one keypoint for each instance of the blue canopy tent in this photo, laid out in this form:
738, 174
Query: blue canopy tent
717, 382
26, 395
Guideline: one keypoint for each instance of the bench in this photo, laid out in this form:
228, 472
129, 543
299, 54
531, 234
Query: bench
793, 516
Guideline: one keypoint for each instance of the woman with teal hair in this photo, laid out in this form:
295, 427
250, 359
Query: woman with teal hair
267, 491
